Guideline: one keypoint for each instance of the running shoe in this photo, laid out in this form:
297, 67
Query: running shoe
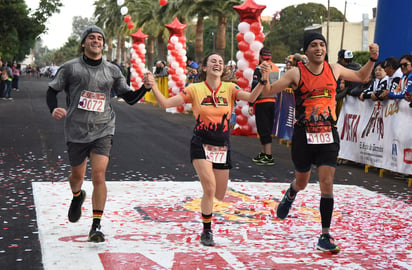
266, 160
258, 157
327, 243
206, 238
96, 235
284, 206
75, 210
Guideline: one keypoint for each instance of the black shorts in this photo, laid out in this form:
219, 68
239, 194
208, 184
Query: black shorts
78, 152
197, 152
304, 154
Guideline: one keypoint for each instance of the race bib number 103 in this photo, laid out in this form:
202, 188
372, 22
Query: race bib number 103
319, 138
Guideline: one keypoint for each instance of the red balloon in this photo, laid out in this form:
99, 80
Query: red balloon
249, 55
239, 73
240, 37
260, 37
238, 110
246, 129
130, 25
255, 28
175, 77
243, 46
162, 2
127, 18
180, 108
170, 47
241, 119
242, 82
135, 85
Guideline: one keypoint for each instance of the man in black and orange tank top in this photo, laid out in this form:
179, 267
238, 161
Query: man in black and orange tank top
315, 139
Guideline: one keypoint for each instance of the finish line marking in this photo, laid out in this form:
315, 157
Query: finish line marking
156, 225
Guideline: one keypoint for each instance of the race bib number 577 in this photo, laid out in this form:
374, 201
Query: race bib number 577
91, 101
215, 154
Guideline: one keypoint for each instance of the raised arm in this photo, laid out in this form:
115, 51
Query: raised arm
363, 73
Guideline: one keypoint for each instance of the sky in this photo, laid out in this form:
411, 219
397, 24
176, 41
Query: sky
60, 25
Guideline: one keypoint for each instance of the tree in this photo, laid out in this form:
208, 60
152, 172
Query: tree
19, 35
289, 28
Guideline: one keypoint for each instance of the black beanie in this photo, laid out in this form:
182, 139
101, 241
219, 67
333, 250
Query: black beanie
309, 37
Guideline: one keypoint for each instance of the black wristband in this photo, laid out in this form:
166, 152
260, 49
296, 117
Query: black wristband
373, 60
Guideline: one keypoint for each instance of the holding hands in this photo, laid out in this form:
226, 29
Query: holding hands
148, 80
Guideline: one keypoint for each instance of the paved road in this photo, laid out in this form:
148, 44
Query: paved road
149, 145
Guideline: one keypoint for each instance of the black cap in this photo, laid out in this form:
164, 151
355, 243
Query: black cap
309, 37
89, 30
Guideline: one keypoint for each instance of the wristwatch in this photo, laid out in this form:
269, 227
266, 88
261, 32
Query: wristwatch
264, 82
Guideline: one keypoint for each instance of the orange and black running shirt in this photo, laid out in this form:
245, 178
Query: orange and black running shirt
315, 99
212, 110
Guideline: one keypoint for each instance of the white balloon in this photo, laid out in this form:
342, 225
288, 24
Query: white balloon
256, 46
184, 58
120, 2
252, 121
174, 40
249, 37
245, 110
171, 83
179, 46
240, 55
243, 27
170, 59
179, 71
242, 64
175, 90
141, 46
241, 103
182, 77
124, 10
175, 65
248, 73
182, 52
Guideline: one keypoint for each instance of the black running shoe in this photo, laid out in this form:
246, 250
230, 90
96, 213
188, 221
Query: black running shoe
258, 157
284, 206
96, 235
327, 243
75, 210
206, 238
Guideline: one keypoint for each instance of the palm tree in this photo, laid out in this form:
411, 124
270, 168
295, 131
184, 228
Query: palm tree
108, 17
222, 10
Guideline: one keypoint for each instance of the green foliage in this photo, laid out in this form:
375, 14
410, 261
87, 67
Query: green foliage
288, 30
19, 33
361, 57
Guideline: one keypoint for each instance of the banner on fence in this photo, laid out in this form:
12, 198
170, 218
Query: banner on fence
377, 133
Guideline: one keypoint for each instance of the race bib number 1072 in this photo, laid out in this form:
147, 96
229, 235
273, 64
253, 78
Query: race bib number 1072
91, 101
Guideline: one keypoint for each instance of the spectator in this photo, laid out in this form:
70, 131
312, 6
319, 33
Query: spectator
264, 107
229, 74
404, 88
379, 83
394, 73
160, 70
16, 76
347, 62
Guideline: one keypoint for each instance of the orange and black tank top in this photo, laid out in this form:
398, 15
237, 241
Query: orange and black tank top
315, 97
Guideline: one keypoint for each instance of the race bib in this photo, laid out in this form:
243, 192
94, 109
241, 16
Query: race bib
215, 154
319, 138
91, 101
